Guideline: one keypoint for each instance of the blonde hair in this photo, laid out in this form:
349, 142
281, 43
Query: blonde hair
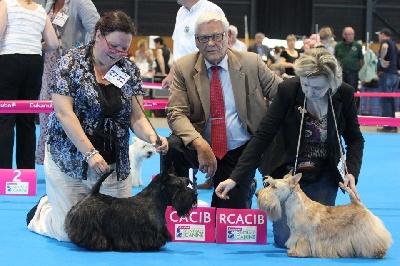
325, 33
291, 37
319, 62
141, 42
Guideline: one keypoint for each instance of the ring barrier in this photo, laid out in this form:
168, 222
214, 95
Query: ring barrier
377, 94
378, 120
22, 182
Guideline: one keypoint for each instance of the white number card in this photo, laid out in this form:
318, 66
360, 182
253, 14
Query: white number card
116, 76
60, 19
340, 167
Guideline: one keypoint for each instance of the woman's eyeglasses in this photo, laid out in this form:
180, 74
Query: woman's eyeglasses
114, 50
206, 38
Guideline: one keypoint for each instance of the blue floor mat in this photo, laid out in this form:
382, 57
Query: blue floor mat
379, 187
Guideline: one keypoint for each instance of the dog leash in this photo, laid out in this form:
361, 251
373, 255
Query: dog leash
343, 168
303, 111
158, 141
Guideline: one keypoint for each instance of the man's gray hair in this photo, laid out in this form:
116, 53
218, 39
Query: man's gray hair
212, 17
319, 62
233, 29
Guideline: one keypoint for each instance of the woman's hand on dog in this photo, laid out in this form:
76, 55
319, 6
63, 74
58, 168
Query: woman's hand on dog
224, 187
350, 181
163, 148
98, 164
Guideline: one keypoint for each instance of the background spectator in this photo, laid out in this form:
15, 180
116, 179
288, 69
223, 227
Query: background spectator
144, 60
78, 28
290, 55
235, 43
183, 35
262, 50
23, 25
162, 56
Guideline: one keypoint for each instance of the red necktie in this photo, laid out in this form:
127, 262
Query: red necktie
218, 126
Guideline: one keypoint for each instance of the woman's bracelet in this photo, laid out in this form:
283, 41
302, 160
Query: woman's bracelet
89, 154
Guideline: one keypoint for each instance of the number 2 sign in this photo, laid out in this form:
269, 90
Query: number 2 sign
18, 182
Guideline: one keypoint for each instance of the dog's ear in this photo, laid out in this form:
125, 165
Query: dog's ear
271, 181
163, 177
296, 178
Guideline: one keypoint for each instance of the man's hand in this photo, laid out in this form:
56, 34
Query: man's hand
384, 63
167, 82
206, 157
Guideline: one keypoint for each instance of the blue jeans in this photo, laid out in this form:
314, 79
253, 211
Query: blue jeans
388, 82
323, 191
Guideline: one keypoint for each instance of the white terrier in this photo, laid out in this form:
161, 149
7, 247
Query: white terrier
139, 151
324, 231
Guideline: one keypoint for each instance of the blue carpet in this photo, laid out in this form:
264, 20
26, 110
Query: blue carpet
379, 188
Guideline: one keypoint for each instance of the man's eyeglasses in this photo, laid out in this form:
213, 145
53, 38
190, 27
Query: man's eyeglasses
114, 50
206, 38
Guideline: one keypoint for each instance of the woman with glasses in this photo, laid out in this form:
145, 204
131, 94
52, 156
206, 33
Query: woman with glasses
97, 98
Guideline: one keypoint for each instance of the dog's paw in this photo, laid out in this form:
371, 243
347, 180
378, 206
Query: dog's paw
137, 183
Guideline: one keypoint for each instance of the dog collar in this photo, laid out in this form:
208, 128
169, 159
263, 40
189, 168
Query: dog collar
290, 194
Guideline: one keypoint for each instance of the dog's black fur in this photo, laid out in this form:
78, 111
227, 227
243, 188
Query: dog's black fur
104, 223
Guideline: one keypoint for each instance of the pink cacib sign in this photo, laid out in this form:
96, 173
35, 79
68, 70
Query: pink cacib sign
18, 182
241, 226
199, 226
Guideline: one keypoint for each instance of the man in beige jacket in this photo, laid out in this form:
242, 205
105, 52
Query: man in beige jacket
245, 80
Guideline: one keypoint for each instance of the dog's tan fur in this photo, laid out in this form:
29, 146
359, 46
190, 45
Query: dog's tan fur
324, 231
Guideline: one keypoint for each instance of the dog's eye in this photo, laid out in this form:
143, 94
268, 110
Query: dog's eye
265, 184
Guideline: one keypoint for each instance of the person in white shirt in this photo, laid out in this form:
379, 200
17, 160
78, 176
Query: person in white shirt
25, 32
183, 36
236, 44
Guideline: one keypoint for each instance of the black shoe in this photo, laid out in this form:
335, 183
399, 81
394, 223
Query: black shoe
387, 130
32, 212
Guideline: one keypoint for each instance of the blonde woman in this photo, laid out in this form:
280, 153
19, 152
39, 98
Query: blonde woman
329, 112
144, 59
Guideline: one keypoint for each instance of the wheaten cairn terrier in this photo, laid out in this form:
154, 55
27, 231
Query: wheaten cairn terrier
324, 231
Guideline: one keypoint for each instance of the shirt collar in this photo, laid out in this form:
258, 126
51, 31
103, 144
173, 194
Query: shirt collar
223, 64
195, 7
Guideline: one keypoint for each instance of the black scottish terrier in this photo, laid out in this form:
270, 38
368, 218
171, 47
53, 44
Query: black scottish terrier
104, 223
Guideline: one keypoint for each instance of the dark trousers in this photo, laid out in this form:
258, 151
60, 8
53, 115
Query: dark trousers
388, 82
20, 79
351, 78
183, 158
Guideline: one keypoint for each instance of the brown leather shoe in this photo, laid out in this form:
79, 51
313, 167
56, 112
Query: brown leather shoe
208, 184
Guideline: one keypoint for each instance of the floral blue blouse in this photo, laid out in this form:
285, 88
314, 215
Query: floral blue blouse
73, 76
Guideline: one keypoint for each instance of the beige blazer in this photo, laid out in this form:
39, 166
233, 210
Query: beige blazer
188, 106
